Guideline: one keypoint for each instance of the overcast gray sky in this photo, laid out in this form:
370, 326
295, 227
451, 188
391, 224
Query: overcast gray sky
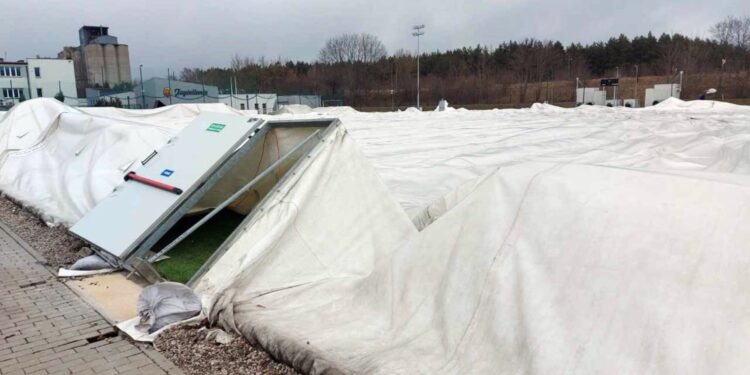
205, 33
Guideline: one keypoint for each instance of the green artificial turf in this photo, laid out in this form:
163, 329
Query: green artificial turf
192, 252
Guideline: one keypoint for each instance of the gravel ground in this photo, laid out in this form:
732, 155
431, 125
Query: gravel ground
188, 347
54, 243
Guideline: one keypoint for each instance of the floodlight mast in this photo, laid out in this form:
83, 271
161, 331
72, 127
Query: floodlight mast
418, 32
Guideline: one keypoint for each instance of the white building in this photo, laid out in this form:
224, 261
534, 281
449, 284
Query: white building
262, 103
37, 78
313, 101
591, 95
661, 92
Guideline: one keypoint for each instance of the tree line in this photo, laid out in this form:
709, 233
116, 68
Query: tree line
356, 69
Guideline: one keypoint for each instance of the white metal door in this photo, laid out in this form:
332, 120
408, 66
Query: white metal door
124, 218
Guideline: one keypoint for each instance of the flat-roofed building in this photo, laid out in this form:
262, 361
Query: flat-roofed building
37, 78
100, 60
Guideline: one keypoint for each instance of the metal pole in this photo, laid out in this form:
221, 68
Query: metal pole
583, 99
143, 96
169, 83
671, 86
232, 198
721, 78
635, 90
418, 33
203, 87
231, 103
617, 75
236, 88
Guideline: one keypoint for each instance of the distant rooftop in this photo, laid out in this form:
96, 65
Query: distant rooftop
19, 62
95, 35
24, 62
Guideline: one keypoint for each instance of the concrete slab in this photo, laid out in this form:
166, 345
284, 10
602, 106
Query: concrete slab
113, 295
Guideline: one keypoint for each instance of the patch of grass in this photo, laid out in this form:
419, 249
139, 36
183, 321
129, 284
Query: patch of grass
192, 252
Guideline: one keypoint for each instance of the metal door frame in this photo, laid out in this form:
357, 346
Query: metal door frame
264, 127
252, 216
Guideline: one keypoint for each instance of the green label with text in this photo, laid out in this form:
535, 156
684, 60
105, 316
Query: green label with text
215, 127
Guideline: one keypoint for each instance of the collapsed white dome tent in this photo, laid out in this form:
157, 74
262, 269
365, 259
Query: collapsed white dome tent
532, 268
538, 267
588, 240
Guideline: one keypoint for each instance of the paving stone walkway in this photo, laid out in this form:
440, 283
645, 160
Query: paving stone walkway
45, 328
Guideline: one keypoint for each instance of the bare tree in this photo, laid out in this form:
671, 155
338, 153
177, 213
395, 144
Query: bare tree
733, 30
365, 48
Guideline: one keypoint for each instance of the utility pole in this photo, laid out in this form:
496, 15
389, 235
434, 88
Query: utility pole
617, 75
583, 87
721, 78
203, 87
635, 89
143, 95
231, 104
418, 32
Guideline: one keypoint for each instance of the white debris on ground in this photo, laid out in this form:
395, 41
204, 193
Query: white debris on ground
293, 109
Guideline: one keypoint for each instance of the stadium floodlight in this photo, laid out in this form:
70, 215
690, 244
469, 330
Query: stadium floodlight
143, 98
418, 32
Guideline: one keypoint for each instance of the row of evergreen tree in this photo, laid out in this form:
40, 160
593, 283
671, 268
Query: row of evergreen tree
386, 78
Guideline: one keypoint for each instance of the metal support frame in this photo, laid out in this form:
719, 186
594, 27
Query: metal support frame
262, 128
261, 206
232, 198
193, 197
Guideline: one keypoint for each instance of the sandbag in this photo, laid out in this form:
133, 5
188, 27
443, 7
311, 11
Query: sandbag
90, 263
165, 303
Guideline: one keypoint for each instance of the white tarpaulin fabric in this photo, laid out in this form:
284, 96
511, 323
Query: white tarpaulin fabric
421, 156
60, 161
538, 268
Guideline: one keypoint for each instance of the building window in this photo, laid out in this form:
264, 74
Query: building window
10, 71
39, 93
11, 93
37, 72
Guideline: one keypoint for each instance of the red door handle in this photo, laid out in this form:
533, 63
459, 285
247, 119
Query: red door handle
147, 181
